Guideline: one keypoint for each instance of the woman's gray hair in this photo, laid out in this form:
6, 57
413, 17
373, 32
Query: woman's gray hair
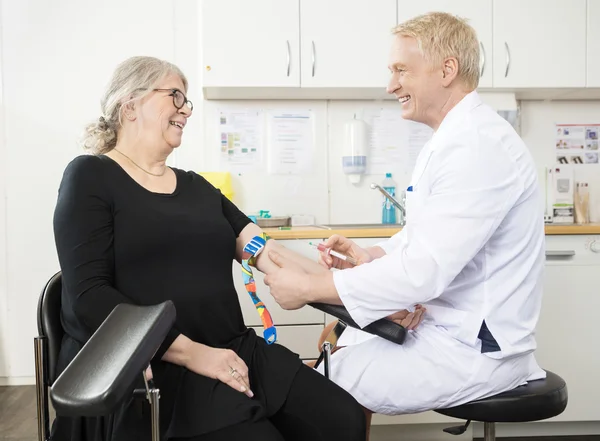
133, 79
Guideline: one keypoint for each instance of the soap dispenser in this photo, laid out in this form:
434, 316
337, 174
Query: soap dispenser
354, 156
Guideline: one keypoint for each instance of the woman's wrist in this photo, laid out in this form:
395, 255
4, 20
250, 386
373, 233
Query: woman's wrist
180, 352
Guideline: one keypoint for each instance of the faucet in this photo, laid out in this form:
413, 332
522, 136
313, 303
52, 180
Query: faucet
393, 200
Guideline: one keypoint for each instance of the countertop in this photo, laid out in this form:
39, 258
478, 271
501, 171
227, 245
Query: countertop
317, 232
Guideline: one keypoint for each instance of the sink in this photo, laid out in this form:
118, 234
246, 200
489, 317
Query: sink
354, 226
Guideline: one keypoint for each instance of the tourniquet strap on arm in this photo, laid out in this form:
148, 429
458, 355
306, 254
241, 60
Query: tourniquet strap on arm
249, 255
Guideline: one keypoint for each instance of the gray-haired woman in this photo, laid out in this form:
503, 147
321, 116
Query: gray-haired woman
130, 229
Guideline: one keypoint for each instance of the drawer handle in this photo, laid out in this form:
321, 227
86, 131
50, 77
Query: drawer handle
288, 57
483, 59
560, 253
507, 59
314, 56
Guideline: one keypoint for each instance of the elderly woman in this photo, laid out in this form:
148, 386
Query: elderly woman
130, 229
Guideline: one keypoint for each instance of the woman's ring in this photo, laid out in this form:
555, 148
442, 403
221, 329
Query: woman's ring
232, 371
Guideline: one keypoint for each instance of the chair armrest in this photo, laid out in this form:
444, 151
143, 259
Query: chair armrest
383, 328
103, 373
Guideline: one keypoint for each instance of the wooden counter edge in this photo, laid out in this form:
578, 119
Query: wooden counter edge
322, 233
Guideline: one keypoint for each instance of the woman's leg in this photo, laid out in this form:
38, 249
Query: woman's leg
317, 409
262, 430
323, 336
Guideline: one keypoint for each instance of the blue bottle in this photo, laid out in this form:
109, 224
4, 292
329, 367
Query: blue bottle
388, 215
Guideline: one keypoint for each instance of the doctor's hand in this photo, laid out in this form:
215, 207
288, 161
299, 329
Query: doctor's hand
345, 246
408, 320
288, 283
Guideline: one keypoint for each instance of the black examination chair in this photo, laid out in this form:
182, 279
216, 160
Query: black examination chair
103, 373
534, 401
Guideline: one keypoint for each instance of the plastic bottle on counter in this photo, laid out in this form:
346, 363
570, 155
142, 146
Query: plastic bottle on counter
388, 215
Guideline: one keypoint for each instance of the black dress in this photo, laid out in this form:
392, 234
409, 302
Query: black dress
120, 243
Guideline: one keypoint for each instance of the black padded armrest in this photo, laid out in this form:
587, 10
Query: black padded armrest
383, 328
103, 373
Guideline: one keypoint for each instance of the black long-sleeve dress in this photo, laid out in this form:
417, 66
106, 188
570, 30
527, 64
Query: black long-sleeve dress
117, 242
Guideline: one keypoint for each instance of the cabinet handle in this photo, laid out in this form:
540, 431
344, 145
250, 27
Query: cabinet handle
483, 56
288, 57
560, 253
313, 58
507, 59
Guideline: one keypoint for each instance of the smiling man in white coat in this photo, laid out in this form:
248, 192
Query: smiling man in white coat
472, 251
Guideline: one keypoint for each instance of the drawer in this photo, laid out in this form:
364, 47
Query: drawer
299, 339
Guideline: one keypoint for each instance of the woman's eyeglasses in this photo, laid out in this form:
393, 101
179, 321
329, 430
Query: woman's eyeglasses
179, 99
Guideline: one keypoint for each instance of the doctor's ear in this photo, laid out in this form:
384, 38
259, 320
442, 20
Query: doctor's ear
449, 70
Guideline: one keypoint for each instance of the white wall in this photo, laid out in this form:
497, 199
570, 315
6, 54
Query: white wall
56, 58
538, 119
3, 306
350, 203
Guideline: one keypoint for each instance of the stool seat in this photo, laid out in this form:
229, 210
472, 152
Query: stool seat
534, 401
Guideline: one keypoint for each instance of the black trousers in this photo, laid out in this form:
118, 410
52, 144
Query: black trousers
316, 409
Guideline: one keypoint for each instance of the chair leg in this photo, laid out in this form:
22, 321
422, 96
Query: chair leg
329, 345
489, 431
327, 358
153, 396
43, 418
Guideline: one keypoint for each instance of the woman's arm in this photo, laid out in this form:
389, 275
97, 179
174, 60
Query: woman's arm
264, 263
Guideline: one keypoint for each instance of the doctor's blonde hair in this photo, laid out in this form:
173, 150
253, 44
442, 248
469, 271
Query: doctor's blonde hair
440, 35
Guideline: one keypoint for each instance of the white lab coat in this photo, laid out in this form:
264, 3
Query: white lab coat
472, 250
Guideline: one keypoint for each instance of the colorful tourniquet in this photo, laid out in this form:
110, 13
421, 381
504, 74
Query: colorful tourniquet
251, 251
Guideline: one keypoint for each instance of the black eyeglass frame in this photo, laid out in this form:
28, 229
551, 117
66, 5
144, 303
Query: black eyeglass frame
173, 93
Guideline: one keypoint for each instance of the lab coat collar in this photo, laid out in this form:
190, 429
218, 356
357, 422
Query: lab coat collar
454, 117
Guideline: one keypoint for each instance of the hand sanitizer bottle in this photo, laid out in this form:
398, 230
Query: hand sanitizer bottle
388, 215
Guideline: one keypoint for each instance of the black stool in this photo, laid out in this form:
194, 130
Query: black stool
534, 401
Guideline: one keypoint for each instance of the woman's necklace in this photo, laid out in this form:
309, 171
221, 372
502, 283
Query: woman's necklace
142, 169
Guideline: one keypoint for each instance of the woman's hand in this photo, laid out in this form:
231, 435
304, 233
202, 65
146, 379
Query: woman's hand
221, 364
345, 246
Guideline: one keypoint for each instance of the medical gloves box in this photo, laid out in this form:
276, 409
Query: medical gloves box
561, 194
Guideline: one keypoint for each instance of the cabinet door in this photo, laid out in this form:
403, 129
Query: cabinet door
477, 12
567, 335
593, 43
346, 44
539, 43
250, 43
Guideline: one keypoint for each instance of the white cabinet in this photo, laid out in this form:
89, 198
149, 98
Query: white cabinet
567, 333
346, 44
539, 43
250, 43
303, 340
477, 12
593, 43
335, 49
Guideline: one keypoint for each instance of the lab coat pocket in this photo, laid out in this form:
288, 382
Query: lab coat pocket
412, 204
449, 318
408, 203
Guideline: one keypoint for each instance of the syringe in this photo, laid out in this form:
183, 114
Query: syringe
322, 247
